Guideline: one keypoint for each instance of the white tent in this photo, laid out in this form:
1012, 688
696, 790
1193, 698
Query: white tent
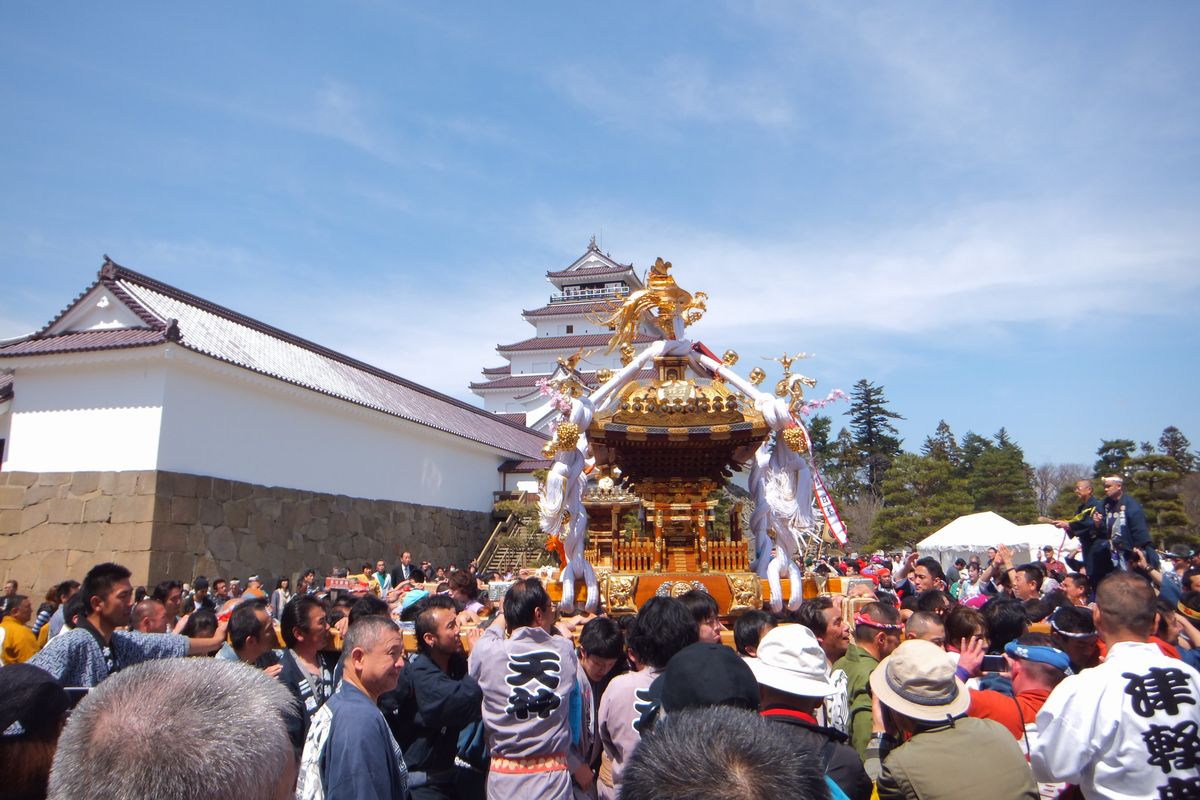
975, 533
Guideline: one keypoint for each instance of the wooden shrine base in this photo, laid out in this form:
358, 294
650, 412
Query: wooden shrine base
735, 593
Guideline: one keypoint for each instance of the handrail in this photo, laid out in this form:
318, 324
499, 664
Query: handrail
489, 547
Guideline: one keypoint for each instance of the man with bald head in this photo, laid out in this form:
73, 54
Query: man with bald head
1127, 727
1093, 538
148, 616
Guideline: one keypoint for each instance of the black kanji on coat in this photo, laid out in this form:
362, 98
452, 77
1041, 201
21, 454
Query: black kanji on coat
1161, 689
521, 703
1177, 747
542, 666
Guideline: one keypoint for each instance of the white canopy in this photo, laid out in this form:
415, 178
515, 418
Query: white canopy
975, 533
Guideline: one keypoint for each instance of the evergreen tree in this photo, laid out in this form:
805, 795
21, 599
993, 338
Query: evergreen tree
1156, 484
923, 494
970, 449
1001, 481
875, 436
819, 427
943, 445
1113, 455
842, 469
1174, 444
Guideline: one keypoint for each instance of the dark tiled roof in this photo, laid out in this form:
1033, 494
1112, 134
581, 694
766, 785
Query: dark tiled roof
83, 341
225, 335
502, 370
590, 272
565, 308
510, 382
565, 342
514, 416
6, 387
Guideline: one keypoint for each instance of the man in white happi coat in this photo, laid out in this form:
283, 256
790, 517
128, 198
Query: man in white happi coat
663, 627
1130, 727
530, 697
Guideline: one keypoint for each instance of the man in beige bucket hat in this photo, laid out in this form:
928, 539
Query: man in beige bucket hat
943, 753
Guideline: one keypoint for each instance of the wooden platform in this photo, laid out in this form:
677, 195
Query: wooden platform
735, 593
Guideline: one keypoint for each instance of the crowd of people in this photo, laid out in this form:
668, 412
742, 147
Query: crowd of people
991, 680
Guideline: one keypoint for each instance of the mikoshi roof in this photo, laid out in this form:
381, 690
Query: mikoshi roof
169, 314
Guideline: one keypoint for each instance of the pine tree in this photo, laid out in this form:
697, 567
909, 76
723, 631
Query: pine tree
923, 494
819, 427
842, 470
970, 449
943, 445
1155, 482
1113, 455
876, 438
1001, 481
1174, 444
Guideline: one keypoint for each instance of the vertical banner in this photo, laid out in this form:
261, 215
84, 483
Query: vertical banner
827, 508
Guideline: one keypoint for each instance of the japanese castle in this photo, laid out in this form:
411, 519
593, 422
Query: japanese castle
569, 342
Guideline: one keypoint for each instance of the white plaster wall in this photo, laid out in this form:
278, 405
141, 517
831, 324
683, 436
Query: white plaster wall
101, 414
557, 326
226, 422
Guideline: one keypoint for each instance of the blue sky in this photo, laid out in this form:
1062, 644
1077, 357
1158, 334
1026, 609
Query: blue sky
990, 209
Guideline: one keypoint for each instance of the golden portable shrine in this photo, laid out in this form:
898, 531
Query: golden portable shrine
633, 500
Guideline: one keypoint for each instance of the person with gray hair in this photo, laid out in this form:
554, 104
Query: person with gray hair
350, 752
720, 752
120, 742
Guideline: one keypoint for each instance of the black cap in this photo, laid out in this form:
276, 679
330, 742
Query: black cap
201, 582
705, 674
32, 699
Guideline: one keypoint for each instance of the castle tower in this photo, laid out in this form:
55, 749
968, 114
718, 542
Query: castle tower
564, 327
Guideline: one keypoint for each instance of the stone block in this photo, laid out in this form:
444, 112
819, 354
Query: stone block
114, 538
171, 537
97, 509
53, 537
221, 544
195, 539
85, 537
85, 483
184, 509
125, 484
203, 486
40, 494
222, 489
33, 516
146, 481
242, 491
10, 521
133, 508
12, 497
21, 478
212, 512
108, 482
183, 485
66, 510
237, 514
54, 478
141, 536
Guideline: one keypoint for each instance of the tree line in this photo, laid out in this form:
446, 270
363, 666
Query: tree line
891, 498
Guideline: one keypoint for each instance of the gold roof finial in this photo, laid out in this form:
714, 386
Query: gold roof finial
665, 304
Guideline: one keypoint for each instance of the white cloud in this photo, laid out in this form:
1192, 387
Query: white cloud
1037, 261
676, 89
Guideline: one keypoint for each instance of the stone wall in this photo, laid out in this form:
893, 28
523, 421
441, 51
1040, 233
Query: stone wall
167, 524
